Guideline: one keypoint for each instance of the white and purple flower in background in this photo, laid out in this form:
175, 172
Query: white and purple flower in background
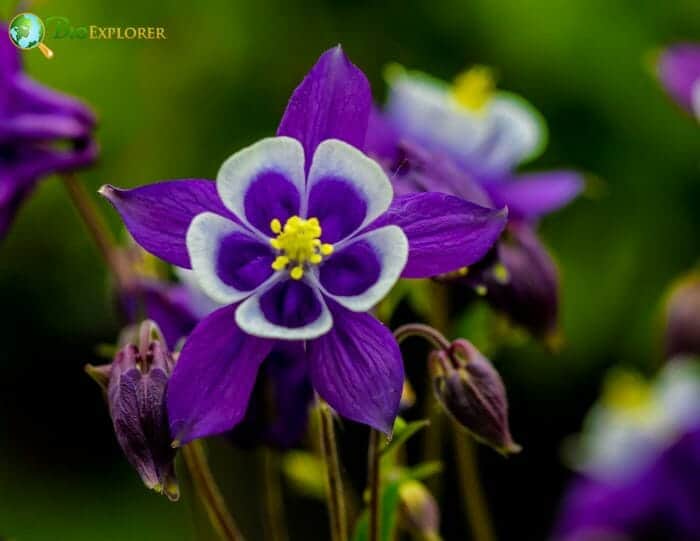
299, 238
467, 140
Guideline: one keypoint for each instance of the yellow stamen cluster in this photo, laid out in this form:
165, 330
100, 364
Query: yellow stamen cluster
299, 244
474, 88
631, 395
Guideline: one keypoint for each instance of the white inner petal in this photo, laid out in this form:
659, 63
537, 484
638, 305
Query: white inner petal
391, 247
203, 243
251, 318
335, 158
284, 155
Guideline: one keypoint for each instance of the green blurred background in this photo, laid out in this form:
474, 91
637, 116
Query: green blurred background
178, 108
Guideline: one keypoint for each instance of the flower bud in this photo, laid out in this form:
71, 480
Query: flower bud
519, 279
136, 384
683, 318
418, 511
470, 389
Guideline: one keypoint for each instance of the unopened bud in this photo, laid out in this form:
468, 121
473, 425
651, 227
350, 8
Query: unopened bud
136, 383
683, 318
418, 511
470, 389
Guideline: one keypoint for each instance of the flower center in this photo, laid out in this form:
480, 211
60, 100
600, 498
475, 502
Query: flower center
299, 245
474, 88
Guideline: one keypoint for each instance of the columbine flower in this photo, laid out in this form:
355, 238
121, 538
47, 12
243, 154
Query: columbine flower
136, 383
299, 238
33, 119
638, 459
679, 71
466, 140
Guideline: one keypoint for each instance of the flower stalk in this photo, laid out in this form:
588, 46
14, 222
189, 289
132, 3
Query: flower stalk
274, 524
209, 492
374, 484
475, 505
334, 483
96, 226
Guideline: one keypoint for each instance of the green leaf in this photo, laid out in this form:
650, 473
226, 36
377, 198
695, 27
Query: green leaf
403, 431
388, 515
422, 471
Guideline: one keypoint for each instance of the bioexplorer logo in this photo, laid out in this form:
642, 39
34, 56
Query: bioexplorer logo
27, 31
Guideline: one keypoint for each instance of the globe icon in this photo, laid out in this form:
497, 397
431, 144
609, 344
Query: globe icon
26, 31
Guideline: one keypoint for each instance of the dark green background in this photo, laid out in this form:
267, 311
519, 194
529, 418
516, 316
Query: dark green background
178, 108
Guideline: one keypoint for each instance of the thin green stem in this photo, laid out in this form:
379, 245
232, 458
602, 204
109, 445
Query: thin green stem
209, 493
274, 524
434, 436
334, 483
99, 232
374, 484
475, 506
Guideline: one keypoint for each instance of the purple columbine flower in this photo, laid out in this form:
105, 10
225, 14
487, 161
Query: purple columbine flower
33, 119
638, 461
467, 140
679, 71
299, 238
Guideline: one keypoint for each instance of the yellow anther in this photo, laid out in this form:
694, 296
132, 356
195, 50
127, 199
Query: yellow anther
280, 262
463, 271
297, 272
474, 88
299, 245
500, 273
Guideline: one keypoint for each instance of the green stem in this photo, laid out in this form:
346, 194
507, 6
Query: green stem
433, 437
374, 482
475, 506
99, 232
274, 524
209, 493
334, 483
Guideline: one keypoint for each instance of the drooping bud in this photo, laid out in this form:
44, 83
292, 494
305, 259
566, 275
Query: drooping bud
136, 383
519, 279
471, 390
682, 336
418, 511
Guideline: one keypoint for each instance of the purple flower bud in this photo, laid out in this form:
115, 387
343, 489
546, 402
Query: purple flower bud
519, 279
470, 389
683, 318
418, 511
137, 382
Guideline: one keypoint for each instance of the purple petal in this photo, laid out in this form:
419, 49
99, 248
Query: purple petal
679, 71
40, 127
243, 262
279, 408
532, 195
339, 208
357, 368
351, 271
37, 98
332, 102
158, 215
10, 62
382, 142
209, 390
444, 232
291, 303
